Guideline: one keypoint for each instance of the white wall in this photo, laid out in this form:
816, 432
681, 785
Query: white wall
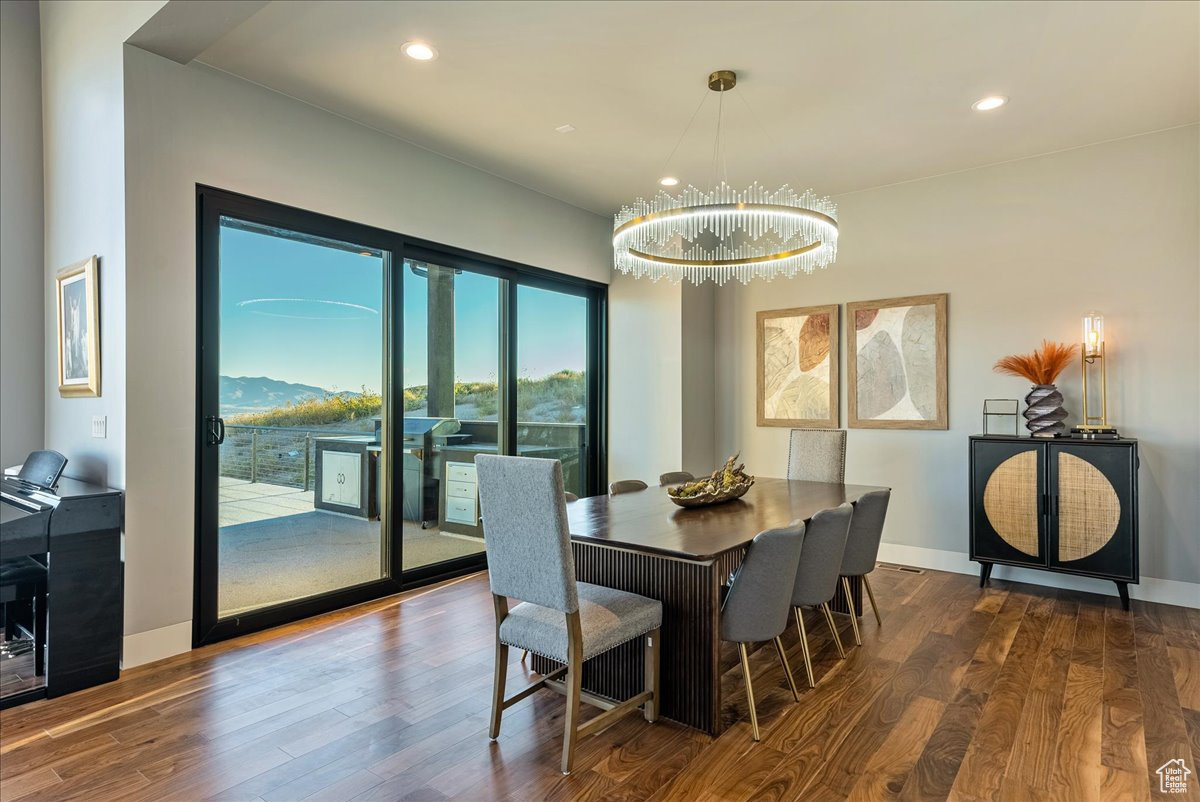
699, 392
189, 125
84, 151
645, 378
22, 393
1023, 249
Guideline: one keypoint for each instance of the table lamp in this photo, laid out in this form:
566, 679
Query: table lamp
1092, 352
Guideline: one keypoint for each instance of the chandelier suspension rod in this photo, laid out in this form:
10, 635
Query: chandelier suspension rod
688, 127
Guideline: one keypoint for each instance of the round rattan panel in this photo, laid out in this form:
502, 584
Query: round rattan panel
1088, 508
1010, 501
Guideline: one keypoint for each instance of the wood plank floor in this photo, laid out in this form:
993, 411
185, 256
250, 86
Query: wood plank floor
1013, 692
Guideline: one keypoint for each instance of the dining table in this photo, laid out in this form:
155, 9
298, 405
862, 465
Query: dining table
642, 542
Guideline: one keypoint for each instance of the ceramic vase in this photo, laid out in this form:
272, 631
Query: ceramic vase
1044, 414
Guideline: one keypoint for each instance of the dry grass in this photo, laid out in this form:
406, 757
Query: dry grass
1043, 366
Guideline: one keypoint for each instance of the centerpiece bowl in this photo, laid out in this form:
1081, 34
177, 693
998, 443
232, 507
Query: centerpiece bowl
725, 484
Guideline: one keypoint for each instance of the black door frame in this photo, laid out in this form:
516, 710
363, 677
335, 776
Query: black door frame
211, 205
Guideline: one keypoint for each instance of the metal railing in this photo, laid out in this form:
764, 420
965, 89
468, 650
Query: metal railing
275, 455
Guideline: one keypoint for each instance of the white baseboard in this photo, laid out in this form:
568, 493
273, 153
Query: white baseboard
156, 644
1163, 591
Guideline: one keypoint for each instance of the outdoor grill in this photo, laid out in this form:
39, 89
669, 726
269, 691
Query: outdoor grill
422, 436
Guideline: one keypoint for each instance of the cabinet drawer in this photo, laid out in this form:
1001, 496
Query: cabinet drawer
460, 489
461, 510
460, 472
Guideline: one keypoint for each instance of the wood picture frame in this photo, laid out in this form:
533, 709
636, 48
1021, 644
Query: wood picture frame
78, 302
797, 355
894, 380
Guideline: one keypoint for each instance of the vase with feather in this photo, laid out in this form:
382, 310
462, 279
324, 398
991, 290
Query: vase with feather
1044, 413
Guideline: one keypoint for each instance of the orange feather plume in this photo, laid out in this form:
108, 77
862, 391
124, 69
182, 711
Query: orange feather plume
1042, 366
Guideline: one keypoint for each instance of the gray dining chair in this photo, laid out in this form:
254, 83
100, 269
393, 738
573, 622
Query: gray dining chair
817, 576
627, 486
862, 548
817, 455
529, 558
756, 607
674, 478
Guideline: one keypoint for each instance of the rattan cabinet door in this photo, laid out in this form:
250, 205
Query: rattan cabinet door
1008, 522
1093, 505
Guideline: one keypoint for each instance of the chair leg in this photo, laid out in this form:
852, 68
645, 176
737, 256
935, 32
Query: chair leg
812, 683
787, 670
871, 595
651, 675
498, 689
574, 681
853, 616
749, 690
524, 654
837, 639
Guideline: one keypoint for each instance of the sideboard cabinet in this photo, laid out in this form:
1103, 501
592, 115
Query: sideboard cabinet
1061, 505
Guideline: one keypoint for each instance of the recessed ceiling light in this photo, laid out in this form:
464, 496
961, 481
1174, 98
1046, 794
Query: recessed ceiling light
419, 51
668, 181
989, 103
565, 129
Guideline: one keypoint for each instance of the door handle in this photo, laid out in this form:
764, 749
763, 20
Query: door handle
216, 430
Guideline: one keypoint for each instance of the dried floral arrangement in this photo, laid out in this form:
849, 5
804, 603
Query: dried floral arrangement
728, 482
1043, 366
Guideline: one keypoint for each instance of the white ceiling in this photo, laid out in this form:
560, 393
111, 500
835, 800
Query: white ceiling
845, 95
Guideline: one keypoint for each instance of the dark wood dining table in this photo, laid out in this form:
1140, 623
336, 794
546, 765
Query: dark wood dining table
643, 543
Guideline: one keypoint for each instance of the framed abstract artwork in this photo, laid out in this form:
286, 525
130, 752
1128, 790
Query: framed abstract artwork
798, 367
78, 329
897, 363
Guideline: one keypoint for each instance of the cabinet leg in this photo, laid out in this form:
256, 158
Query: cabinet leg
1123, 589
985, 573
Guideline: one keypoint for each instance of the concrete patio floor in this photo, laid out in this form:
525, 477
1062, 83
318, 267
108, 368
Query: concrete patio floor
298, 567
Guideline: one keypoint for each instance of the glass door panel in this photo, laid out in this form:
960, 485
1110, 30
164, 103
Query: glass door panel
302, 325
452, 408
552, 381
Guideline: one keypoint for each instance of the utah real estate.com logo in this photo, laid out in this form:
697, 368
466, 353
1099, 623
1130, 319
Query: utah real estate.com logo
1173, 777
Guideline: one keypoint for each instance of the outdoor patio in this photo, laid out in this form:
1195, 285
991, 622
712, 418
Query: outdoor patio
276, 547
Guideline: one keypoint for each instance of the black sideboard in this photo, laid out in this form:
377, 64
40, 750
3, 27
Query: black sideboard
1062, 505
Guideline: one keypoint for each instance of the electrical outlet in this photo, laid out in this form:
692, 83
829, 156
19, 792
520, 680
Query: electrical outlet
100, 426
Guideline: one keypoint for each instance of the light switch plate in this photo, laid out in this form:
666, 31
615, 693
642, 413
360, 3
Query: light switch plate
100, 426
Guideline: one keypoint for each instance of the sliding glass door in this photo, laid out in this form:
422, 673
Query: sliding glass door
552, 372
347, 379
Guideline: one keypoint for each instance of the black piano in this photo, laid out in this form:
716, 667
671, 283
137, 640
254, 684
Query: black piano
74, 531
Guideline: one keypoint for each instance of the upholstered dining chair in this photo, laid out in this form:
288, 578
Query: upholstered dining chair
817, 455
817, 576
674, 478
756, 608
529, 558
627, 486
862, 548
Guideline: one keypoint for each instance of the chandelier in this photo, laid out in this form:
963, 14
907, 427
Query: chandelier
725, 233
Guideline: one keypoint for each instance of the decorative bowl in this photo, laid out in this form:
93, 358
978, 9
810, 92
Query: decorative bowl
722, 495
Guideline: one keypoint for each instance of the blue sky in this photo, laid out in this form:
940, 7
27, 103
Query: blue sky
309, 314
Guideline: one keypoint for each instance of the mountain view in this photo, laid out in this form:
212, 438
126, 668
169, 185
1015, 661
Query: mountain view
243, 394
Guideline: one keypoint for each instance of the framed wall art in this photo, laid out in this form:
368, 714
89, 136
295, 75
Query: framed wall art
897, 363
798, 367
76, 290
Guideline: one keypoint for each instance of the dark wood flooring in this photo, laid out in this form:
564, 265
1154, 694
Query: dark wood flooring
1012, 692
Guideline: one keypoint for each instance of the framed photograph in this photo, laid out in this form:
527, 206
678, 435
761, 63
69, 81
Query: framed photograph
897, 363
798, 367
78, 329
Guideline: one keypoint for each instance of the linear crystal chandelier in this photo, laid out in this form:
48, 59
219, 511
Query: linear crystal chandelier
724, 233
